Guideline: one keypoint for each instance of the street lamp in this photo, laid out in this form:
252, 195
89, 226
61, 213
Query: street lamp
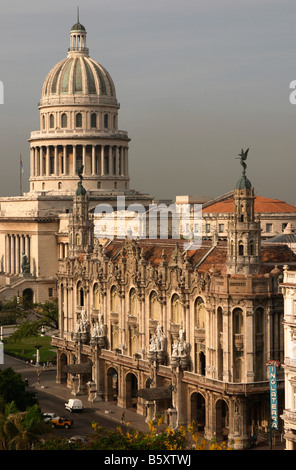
38, 346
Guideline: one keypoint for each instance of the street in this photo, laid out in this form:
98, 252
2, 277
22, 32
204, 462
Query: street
53, 402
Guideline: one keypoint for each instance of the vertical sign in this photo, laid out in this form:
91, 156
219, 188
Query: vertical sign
273, 365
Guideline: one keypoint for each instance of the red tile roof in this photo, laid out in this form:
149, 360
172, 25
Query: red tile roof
262, 205
207, 255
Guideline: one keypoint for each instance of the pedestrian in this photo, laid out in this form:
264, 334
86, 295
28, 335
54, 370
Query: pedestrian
123, 417
254, 439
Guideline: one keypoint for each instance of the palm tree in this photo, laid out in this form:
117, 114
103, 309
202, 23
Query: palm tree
20, 430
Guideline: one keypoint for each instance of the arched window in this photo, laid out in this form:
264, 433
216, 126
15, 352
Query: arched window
51, 121
176, 309
78, 120
80, 295
93, 120
199, 313
114, 299
133, 302
240, 248
64, 120
43, 122
96, 297
237, 321
251, 248
106, 121
153, 306
231, 248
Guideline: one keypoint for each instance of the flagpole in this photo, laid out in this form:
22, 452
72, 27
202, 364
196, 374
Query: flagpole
21, 189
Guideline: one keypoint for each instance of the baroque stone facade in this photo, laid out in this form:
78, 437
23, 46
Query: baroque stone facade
289, 416
183, 333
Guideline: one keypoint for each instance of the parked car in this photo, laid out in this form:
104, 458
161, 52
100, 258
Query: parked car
78, 439
60, 422
47, 417
74, 405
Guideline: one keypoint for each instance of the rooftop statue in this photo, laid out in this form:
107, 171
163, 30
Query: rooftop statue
79, 171
243, 156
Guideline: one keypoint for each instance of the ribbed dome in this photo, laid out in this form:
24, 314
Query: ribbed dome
78, 78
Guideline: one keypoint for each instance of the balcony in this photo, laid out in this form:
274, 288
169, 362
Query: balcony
239, 341
289, 416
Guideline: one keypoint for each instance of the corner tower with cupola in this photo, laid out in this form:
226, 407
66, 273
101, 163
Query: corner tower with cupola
78, 127
244, 232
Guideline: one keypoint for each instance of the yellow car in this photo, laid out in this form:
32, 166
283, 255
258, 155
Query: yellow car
59, 422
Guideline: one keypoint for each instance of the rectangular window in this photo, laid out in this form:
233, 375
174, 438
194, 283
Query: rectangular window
284, 226
50, 292
268, 228
208, 228
221, 227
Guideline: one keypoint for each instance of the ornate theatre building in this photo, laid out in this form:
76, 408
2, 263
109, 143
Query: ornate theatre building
174, 332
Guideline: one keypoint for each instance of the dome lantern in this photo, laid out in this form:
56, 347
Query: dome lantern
78, 38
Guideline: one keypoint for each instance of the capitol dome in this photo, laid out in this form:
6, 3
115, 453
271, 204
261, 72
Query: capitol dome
78, 127
78, 78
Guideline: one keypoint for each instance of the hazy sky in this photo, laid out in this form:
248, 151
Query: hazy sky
197, 81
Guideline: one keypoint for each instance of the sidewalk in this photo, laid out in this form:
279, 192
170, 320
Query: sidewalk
102, 408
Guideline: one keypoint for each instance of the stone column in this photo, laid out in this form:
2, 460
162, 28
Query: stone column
93, 160
227, 335
102, 160
17, 254
47, 161
7, 254
32, 161
74, 160
64, 159
12, 247
249, 346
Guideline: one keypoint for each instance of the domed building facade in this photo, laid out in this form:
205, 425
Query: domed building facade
78, 140
79, 126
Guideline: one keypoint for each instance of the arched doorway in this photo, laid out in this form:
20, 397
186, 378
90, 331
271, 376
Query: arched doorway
222, 420
112, 384
28, 296
198, 407
131, 389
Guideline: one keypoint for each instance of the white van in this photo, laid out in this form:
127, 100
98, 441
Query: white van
74, 405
